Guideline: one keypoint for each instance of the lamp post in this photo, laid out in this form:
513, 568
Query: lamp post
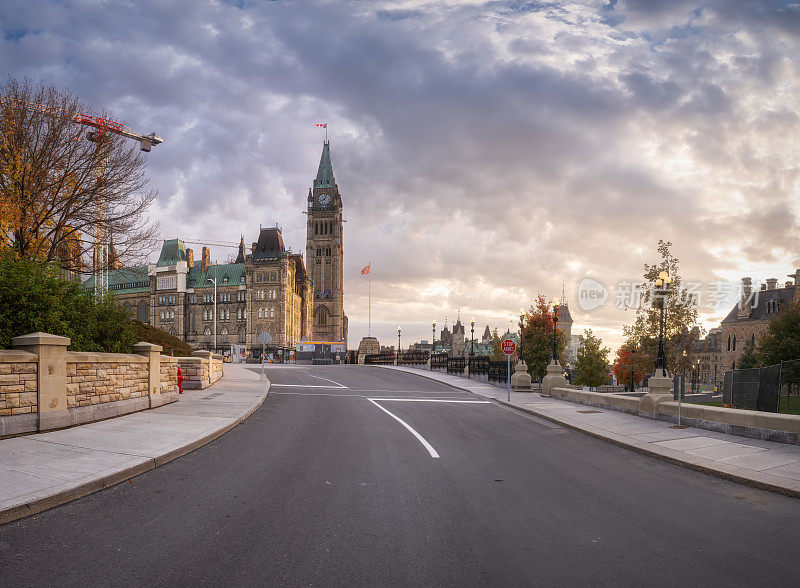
398, 345
555, 322
433, 341
472, 338
521, 327
633, 368
214, 281
662, 284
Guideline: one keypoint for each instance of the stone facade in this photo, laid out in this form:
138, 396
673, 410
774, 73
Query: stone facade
97, 378
18, 384
325, 254
43, 386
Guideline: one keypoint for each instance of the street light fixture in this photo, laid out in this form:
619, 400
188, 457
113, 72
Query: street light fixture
472, 337
398, 344
214, 281
433, 341
555, 304
662, 286
521, 326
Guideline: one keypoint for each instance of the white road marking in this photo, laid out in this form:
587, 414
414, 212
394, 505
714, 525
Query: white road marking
452, 400
318, 394
419, 437
306, 386
331, 381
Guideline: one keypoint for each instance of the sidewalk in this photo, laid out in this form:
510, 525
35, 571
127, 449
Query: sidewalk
762, 464
44, 470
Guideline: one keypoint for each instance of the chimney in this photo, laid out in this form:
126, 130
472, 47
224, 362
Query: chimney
190, 258
763, 287
772, 283
206, 261
745, 302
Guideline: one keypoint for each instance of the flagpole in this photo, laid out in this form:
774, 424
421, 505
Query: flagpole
369, 328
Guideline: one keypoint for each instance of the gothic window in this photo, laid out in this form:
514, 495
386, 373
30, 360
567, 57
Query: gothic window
753, 338
734, 342
224, 331
729, 342
161, 315
322, 316
142, 311
260, 312
319, 250
171, 314
272, 312
242, 335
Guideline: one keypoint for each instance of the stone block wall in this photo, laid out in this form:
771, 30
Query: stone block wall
18, 383
44, 387
97, 378
169, 375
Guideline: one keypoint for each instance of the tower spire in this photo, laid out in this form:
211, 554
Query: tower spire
241, 257
325, 177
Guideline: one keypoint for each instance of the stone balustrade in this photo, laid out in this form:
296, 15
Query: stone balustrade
43, 386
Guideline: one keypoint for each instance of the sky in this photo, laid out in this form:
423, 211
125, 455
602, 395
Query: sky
486, 152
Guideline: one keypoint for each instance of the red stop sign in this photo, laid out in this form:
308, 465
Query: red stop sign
508, 346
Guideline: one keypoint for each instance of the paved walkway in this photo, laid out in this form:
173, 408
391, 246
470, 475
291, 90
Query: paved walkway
764, 464
47, 469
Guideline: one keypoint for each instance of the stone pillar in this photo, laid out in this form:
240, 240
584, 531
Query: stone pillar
153, 354
521, 380
52, 373
659, 386
554, 378
206, 357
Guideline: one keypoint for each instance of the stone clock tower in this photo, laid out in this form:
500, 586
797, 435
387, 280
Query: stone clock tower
324, 253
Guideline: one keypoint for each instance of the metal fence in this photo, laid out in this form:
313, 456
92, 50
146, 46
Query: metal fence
498, 371
456, 365
478, 365
761, 388
439, 361
413, 358
379, 359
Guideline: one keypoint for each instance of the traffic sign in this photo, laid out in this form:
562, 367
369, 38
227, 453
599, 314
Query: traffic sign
264, 337
508, 346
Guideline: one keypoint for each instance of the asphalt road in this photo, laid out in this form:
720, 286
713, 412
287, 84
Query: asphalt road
322, 486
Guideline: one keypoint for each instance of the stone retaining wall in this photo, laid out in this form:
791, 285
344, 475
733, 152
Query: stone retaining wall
97, 378
43, 386
769, 426
18, 383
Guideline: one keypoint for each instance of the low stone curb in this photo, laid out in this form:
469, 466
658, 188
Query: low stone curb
732, 473
38, 505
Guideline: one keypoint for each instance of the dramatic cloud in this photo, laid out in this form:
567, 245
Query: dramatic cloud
486, 151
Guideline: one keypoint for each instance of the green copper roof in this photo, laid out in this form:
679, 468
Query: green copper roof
172, 252
325, 171
124, 281
199, 279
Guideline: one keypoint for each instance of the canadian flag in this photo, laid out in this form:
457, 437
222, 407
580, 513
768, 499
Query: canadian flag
365, 271
323, 125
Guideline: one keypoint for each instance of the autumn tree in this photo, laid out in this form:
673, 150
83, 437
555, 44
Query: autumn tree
59, 191
749, 358
680, 313
591, 366
537, 338
630, 365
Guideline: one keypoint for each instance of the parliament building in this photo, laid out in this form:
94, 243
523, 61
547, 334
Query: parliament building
268, 289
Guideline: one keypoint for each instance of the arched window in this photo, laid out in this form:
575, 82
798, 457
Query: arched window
260, 312
242, 335
224, 331
322, 316
729, 342
272, 312
753, 338
734, 342
319, 250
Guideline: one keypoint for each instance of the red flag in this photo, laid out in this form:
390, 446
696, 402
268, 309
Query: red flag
365, 271
323, 125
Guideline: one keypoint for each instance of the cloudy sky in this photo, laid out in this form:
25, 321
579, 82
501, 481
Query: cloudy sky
486, 151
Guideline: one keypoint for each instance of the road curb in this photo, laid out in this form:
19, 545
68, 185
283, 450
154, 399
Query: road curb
644, 449
38, 505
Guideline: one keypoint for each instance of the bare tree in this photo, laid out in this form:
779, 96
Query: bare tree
59, 192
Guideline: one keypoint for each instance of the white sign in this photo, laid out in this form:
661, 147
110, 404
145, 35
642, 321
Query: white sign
167, 282
264, 337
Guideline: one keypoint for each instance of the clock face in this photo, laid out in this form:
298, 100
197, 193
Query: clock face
324, 198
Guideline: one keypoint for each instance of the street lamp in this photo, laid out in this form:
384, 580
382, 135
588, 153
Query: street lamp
633, 368
433, 340
521, 326
555, 322
214, 281
472, 337
662, 284
398, 344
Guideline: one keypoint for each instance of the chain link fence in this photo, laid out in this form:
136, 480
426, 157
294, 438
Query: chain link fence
761, 388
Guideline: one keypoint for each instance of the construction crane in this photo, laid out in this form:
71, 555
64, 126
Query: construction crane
212, 243
103, 129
